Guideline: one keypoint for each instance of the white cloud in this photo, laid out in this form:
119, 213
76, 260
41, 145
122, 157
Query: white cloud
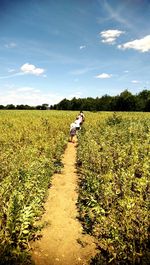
135, 81
28, 95
110, 36
116, 13
31, 69
82, 47
11, 70
27, 89
11, 75
109, 40
25, 69
82, 71
104, 76
142, 45
10, 45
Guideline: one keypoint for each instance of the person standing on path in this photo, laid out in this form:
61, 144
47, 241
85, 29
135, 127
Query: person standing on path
72, 131
77, 122
76, 126
81, 117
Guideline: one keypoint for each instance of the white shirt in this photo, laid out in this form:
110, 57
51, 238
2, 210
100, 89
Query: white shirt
77, 123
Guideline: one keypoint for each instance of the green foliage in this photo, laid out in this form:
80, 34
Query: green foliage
113, 163
31, 146
114, 119
123, 102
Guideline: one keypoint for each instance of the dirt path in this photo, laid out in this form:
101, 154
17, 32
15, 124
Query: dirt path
62, 240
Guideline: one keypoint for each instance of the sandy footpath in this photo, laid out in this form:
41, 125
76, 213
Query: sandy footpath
62, 240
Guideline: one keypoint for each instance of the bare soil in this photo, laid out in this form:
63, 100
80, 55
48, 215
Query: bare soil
63, 241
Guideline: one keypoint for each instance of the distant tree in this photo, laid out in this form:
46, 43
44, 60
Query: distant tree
75, 104
2, 107
24, 107
147, 105
20, 107
105, 103
125, 102
10, 106
64, 104
89, 104
30, 107
54, 107
142, 100
38, 107
45, 106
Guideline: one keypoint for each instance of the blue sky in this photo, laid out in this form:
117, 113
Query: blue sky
55, 49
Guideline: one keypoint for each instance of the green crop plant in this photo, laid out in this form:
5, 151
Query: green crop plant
113, 164
31, 145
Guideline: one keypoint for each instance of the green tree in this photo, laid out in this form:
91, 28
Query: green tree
2, 107
142, 100
125, 102
10, 106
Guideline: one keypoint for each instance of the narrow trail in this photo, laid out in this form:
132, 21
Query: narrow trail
62, 239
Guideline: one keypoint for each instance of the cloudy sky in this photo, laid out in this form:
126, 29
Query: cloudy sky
55, 49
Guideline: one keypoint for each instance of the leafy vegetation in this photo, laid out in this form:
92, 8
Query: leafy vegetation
113, 163
123, 102
31, 145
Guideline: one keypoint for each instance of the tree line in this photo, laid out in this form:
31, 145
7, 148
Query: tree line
25, 107
126, 101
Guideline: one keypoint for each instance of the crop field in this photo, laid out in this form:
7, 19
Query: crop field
114, 190
31, 144
114, 166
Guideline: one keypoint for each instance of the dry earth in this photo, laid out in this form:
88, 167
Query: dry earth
63, 241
